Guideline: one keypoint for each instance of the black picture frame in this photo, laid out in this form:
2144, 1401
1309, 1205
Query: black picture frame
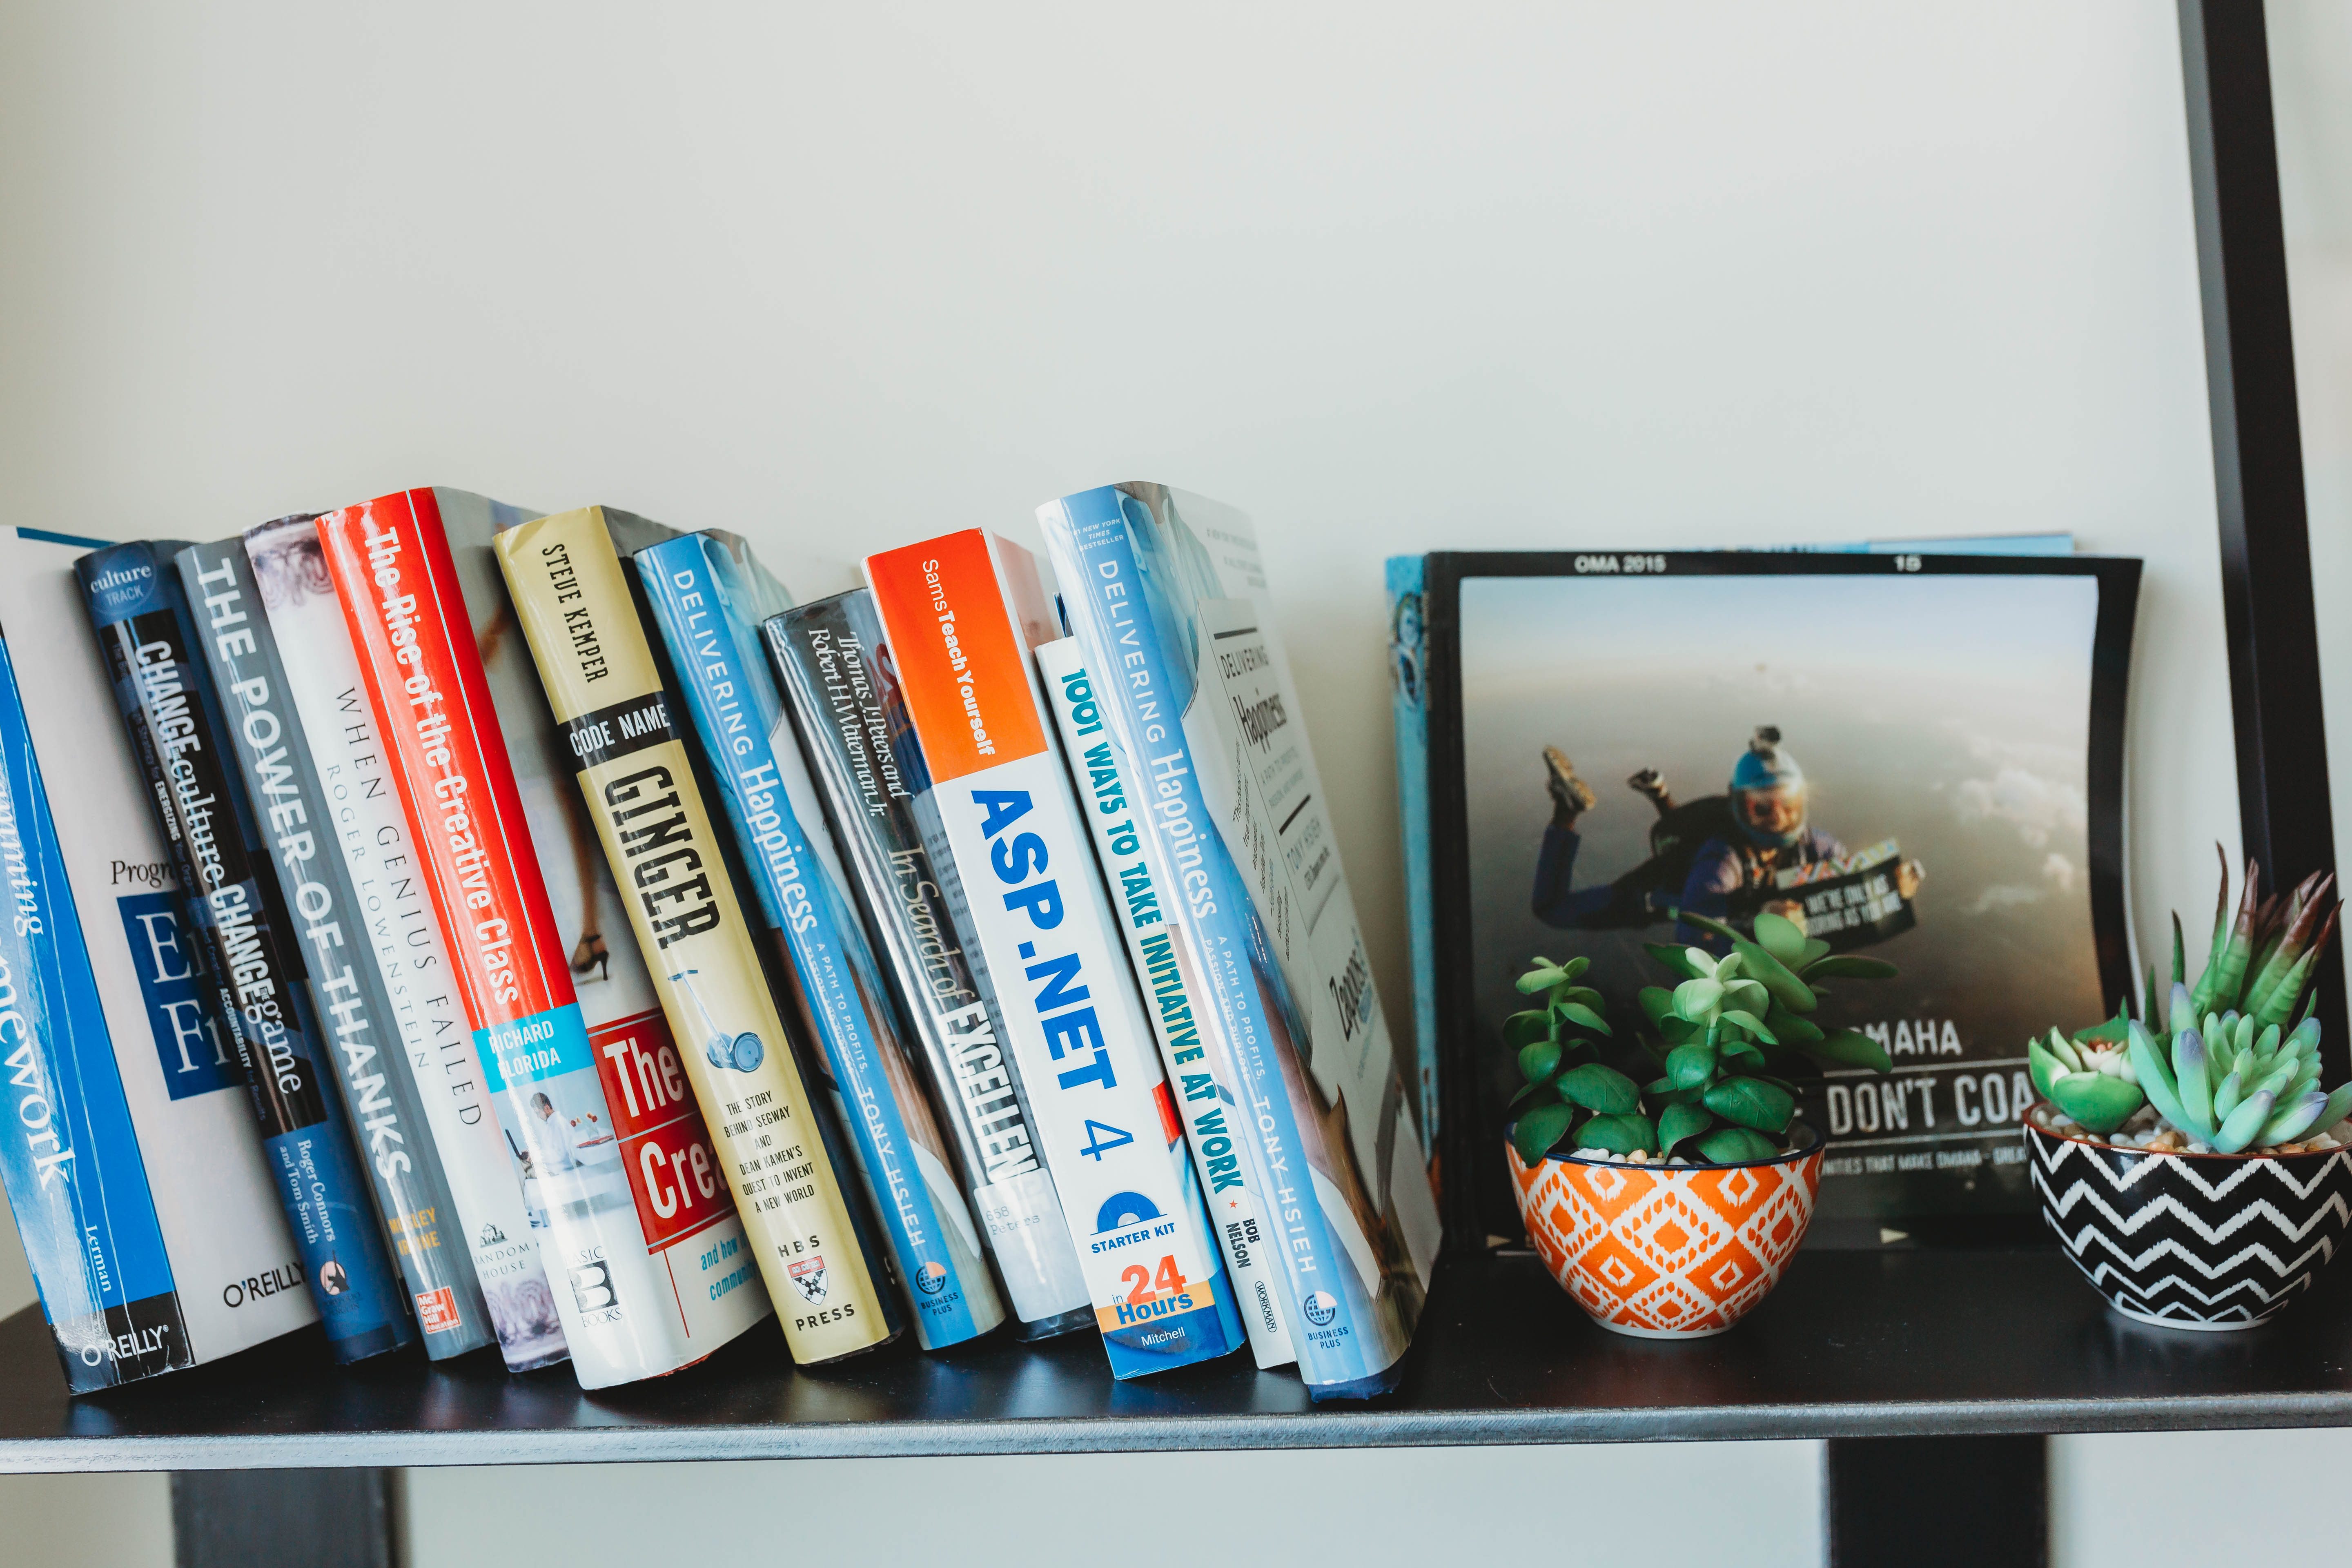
1477, 1197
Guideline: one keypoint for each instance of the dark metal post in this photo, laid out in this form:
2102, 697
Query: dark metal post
1937, 1502
322, 1519
2267, 601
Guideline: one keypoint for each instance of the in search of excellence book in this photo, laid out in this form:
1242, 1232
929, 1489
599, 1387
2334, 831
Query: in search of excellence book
962, 612
636, 1229
637, 783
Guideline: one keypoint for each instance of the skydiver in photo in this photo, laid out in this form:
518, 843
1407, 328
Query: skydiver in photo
1718, 856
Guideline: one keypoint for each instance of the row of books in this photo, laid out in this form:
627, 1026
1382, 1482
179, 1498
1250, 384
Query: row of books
609, 952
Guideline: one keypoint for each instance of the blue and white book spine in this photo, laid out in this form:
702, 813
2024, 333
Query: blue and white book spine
1335, 1145
118, 1085
707, 596
358, 1041
962, 614
372, 834
243, 941
1408, 699
1192, 1045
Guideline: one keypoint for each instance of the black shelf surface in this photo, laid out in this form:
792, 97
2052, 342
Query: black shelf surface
1852, 1345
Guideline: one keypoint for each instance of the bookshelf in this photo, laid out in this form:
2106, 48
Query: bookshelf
1894, 1345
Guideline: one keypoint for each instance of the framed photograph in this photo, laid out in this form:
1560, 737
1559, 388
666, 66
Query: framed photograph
1919, 758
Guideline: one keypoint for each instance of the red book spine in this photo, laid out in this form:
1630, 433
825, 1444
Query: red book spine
393, 572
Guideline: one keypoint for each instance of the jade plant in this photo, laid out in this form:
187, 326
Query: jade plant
1728, 1036
2217, 1061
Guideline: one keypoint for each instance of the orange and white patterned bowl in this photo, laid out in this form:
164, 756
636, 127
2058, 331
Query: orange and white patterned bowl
1667, 1252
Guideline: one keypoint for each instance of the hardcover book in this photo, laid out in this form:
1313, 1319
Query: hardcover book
636, 1229
842, 691
571, 594
243, 942
963, 613
1616, 737
396, 925
1168, 589
1191, 1046
707, 595
358, 1046
132, 1166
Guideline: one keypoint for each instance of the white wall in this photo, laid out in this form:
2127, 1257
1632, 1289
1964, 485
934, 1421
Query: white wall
1390, 276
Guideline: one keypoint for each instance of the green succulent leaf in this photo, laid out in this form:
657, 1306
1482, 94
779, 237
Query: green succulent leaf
2157, 1083
1766, 968
1850, 1049
1536, 1131
1577, 1013
1676, 1122
1691, 1065
1676, 1029
1779, 936
1535, 1094
2041, 1066
1815, 951
1752, 1024
1539, 1061
2110, 1031
1657, 1003
1600, 1088
1620, 1133
1752, 1102
2099, 1102
2246, 1121
1696, 999
1731, 1145
1575, 967
1791, 1029
1542, 978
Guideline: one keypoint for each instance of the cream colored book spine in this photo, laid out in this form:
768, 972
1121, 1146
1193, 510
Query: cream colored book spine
571, 595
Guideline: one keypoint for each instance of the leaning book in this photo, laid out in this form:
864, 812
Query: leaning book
1192, 1047
131, 1165
358, 1042
1168, 590
962, 613
243, 942
403, 939
636, 1229
843, 692
782, 1160
706, 594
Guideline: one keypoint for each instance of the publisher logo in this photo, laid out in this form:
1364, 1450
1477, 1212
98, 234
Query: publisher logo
931, 1278
591, 1287
1321, 1307
808, 1277
436, 1310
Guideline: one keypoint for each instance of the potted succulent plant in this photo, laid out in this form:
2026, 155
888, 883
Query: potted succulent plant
1670, 1208
2186, 1155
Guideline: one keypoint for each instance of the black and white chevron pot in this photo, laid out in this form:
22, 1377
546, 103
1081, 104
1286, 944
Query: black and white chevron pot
2193, 1241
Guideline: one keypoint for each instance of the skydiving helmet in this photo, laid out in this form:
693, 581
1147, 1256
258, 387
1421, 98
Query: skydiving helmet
1768, 791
